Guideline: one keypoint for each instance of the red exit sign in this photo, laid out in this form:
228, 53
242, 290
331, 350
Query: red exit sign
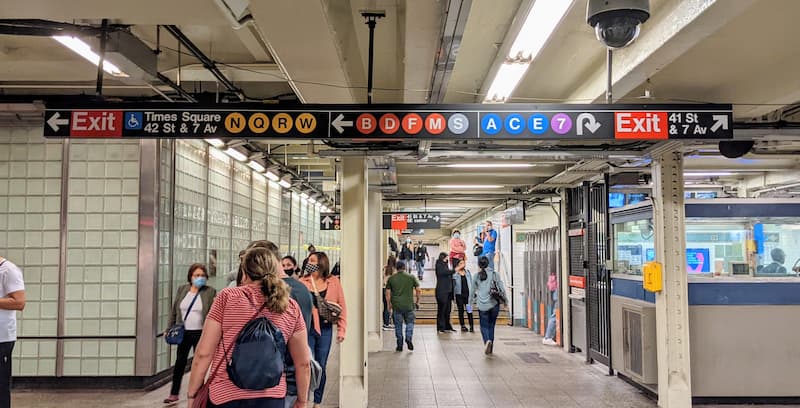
399, 221
96, 123
641, 125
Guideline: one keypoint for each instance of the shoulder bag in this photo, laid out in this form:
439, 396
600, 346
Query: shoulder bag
174, 334
495, 292
328, 312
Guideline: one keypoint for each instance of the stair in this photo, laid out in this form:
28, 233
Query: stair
427, 311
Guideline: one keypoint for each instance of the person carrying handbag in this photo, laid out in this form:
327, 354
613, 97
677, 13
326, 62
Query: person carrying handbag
329, 310
189, 311
487, 293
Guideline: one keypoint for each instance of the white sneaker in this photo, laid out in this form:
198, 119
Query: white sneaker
549, 342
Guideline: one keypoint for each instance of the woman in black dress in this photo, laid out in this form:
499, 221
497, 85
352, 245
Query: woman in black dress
444, 294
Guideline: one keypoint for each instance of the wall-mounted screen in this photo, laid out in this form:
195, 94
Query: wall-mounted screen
698, 260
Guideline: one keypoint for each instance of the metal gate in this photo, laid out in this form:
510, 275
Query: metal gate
598, 279
588, 213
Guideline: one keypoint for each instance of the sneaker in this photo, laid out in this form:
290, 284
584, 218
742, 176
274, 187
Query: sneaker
471, 330
387, 328
464, 329
171, 399
549, 342
410, 345
489, 347
399, 347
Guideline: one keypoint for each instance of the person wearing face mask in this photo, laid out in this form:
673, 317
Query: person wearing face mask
191, 306
458, 248
407, 252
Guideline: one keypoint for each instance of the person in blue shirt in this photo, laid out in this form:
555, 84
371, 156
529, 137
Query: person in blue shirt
489, 243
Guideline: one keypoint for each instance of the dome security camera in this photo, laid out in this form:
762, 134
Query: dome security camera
617, 22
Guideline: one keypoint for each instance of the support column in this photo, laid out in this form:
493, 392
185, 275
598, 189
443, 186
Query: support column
374, 271
672, 305
566, 321
353, 351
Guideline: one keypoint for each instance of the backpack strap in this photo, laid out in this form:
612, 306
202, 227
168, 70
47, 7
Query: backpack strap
190, 304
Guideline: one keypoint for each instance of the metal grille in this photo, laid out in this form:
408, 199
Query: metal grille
576, 256
632, 347
598, 296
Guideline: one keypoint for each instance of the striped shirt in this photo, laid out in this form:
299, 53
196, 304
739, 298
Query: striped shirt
233, 311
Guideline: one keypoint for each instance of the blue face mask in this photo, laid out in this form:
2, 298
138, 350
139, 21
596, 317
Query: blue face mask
456, 235
199, 282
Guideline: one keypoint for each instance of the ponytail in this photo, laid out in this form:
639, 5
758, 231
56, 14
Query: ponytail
261, 265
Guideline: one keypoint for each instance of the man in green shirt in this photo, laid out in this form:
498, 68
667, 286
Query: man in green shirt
399, 289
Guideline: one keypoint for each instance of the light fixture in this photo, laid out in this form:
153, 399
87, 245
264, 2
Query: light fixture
708, 174
286, 181
539, 25
273, 173
215, 142
236, 154
256, 166
489, 165
466, 186
303, 195
312, 200
84, 50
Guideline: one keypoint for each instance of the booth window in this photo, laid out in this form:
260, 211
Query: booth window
633, 246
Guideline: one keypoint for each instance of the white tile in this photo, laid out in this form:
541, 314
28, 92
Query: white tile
72, 366
50, 274
49, 291
53, 152
130, 187
128, 256
127, 291
108, 348
96, 152
110, 291
94, 222
16, 205
47, 367
89, 366
113, 170
94, 239
112, 221
130, 204
34, 221
130, 170
94, 170
52, 169
74, 293
91, 292
28, 367
109, 309
108, 366
91, 328
76, 222
33, 239
74, 310
77, 169
113, 187
127, 274
36, 169
94, 204
49, 310
111, 204
18, 169
33, 257
108, 327
74, 273
127, 309
34, 204
127, 327
29, 348
129, 222
50, 256
95, 187
52, 205
77, 204
52, 187
125, 366
48, 327
73, 327
77, 187
110, 274
51, 239
91, 310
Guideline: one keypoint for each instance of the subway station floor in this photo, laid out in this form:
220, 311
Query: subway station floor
447, 370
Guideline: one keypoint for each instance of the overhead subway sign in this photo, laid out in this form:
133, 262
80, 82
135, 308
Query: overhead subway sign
394, 122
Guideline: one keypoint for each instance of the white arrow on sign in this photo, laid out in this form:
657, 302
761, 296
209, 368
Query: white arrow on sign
55, 121
436, 218
339, 123
591, 123
720, 121
327, 221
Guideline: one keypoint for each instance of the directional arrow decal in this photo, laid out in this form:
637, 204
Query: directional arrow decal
54, 122
591, 123
327, 221
720, 121
339, 123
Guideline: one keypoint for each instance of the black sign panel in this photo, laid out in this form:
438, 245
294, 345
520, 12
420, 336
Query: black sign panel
411, 221
330, 222
395, 122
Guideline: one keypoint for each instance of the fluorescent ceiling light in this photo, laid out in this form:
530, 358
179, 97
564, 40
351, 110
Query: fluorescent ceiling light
539, 25
286, 181
708, 174
542, 20
466, 186
84, 50
312, 200
272, 174
506, 80
256, 166
489, 165
304, 196
215, 142
236, 154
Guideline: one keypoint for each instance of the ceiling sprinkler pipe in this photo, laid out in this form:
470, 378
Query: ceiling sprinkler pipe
776, 188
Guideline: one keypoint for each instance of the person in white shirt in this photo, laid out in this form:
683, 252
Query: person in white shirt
191, 307
12, 299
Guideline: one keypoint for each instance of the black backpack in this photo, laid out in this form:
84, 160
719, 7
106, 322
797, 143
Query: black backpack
259, 355
477, 250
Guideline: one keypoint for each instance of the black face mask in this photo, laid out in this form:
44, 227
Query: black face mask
289, 272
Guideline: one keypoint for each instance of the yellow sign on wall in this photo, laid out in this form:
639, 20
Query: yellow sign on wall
653, 277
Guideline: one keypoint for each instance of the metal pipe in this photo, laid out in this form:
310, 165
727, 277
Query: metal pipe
207, 62
176, 87
103, 38
609, 83
371, 22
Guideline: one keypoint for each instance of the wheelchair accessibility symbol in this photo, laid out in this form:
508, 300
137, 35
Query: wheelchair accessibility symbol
133, 120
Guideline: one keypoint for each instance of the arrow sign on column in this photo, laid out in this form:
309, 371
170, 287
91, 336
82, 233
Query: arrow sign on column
55, 121
339, 123
327, 221
591, 123
720, 121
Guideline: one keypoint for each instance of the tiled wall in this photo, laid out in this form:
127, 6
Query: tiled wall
190, 207
220, 194
102, 250
30, 204
294, 238
259, 195
165, 224
285, 219
275, 212
242, 191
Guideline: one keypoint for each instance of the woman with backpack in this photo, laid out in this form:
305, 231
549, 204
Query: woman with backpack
191, 306
262, 298
329, 310
487, 293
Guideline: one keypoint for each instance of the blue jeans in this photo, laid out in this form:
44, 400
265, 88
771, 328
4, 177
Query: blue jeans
490, 257
488, 320
403, 317
420, 268
320, 349
550, 332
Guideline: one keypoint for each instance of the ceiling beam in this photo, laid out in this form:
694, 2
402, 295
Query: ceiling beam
673, 30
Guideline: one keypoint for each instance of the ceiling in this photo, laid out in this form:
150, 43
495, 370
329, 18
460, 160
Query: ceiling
315, 51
